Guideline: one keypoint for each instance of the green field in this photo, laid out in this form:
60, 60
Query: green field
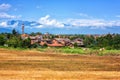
88, 51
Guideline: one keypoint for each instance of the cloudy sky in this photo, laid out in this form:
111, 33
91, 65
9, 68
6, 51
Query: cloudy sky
61, 16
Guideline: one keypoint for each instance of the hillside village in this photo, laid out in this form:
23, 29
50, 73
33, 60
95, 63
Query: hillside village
55, 42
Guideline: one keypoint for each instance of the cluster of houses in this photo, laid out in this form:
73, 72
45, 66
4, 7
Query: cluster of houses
55, 42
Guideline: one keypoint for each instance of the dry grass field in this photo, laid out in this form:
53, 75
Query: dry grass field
35, 65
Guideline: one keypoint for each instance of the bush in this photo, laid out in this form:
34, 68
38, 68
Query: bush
35, 45
26, 43
109, 48
45, 45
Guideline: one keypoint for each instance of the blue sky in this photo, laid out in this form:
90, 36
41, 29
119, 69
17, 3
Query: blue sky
61, 16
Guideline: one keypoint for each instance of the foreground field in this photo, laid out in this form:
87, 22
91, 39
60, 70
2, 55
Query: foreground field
34, 65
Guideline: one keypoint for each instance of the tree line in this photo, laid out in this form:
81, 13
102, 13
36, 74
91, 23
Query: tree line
14, 40
108, 41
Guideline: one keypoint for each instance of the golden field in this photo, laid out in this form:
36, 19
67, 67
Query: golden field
36, 65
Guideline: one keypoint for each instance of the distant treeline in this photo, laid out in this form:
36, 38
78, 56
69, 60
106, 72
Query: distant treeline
14, 40
107, 41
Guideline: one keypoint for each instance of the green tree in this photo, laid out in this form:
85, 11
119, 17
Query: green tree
109, 39
26, 43
116, 41
13, 42
14, 32
38, 33
105, 41
8, 35
75, 45
89, 41
33, 34
2, 40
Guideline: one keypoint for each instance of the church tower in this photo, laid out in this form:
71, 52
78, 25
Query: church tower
22, 28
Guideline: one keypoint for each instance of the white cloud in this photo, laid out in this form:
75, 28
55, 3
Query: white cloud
39, 26
47, 22
3, 24
7, 16
6, 25
32, 24
93, 23
4, 6
77, 23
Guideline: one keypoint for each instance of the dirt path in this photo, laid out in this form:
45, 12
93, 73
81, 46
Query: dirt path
33, 65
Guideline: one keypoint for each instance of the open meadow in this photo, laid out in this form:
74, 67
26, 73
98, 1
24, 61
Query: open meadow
37, 65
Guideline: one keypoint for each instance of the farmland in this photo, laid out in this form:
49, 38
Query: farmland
51, 65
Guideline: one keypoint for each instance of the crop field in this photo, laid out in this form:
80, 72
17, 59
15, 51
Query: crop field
49, 65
